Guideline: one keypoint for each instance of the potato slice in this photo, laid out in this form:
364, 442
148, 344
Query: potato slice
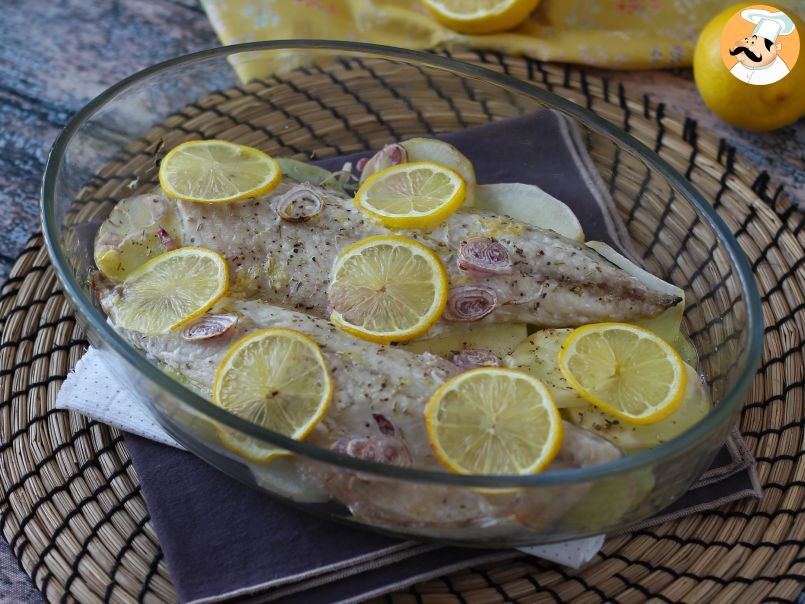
611, 500
529, 204
537, 355
686, 349
498, 339
138, 229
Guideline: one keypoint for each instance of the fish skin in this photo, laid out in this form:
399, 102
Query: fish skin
556, 282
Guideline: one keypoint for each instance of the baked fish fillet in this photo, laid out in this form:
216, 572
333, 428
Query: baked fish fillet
379, 392
377, 414
553, 281
368, 380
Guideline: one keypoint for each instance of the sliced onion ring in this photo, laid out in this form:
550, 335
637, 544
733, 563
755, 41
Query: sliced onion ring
209, 326
381, 449
390, 155
473, 358
484, 255
383, 424
166, 240
470, 302
300, 203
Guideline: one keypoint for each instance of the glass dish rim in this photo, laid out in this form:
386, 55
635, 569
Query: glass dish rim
749, 360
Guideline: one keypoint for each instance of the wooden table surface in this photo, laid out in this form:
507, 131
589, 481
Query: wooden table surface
55, 55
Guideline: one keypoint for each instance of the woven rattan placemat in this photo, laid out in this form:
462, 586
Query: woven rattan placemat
70, 501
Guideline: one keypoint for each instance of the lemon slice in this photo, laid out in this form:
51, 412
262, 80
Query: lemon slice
275, 378
170, 290
444, 154
629, 437
493, 421
415, 195
214, 171
387, 289
625, 370
481, 16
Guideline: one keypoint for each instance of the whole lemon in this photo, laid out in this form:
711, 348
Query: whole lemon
481, 16
744, 105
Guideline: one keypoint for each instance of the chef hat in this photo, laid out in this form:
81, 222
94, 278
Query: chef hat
769, 24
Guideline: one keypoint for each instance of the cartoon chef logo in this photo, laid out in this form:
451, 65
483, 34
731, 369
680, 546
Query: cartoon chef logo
760, 45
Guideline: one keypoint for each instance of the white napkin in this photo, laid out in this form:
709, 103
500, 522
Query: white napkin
92, 390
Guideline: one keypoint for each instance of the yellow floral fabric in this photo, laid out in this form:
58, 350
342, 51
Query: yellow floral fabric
618, 34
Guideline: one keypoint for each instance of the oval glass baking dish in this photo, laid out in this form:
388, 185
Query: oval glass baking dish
310, 99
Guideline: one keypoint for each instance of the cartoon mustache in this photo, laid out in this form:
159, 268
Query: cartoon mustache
743, 49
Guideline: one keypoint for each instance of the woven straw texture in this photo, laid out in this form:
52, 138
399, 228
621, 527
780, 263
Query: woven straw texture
69, 497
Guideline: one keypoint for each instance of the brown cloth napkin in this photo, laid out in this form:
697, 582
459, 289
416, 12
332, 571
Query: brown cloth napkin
223, 540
